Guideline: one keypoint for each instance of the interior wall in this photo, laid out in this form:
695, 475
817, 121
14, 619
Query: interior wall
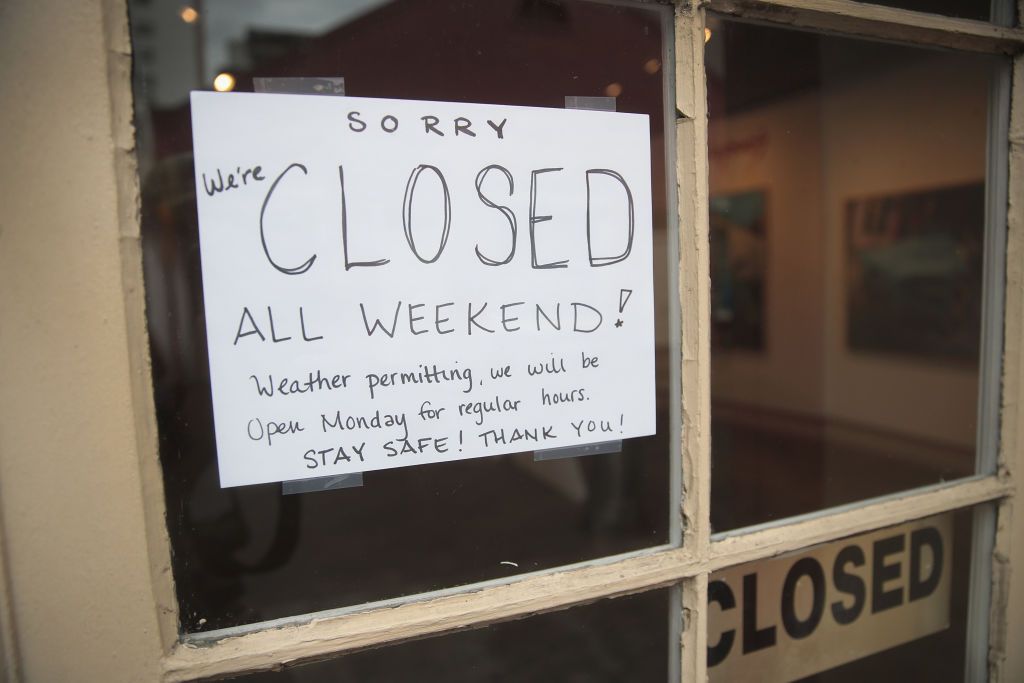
70, 495
820, 149
913, 151
776, 149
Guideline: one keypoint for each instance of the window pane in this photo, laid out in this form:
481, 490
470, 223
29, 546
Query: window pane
626, 639
249, 554
847, 187
875, 607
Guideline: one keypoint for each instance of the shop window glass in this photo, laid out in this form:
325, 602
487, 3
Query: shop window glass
251, 554
847, 184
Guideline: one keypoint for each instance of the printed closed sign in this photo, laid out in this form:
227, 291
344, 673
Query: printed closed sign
800, 614
391, 283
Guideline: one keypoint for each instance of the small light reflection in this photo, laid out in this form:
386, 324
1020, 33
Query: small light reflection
652, 66
707, 34
188, 14
613, 90
224, 82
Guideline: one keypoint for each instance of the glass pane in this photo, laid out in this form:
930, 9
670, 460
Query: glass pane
847, 187
249, 554
963, 9
887, 606
626, 639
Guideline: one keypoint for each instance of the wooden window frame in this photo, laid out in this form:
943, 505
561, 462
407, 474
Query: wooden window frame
269, 645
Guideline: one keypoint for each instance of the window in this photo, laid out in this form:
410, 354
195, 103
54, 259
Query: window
772, 131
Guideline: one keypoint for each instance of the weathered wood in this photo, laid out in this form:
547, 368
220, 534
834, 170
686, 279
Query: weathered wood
695, 316
326, 633
880, 23
322, 636
800, 532
1006, 619
119, 75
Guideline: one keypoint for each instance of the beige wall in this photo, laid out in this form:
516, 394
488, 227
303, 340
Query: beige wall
935, 96
820, 150
70, 494
776, 149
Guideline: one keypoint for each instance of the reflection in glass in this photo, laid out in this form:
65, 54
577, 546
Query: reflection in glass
625, 639
847, 223
250, 554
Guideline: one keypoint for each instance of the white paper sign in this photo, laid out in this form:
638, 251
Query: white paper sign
391, 283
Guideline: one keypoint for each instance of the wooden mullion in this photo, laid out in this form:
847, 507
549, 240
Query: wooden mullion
807, 530
695, 303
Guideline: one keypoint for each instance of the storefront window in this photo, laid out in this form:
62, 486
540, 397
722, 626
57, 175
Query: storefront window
250, 554
840, 204
847, 233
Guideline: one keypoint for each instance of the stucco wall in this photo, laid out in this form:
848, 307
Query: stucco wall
70, 494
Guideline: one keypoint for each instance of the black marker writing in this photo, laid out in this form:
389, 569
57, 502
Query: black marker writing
297, 270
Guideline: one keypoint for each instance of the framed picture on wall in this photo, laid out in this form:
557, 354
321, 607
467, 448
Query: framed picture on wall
913, 272
738, 270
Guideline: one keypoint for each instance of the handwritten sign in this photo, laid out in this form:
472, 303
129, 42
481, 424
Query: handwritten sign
390, 283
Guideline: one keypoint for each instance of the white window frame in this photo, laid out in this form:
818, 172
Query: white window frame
270, 645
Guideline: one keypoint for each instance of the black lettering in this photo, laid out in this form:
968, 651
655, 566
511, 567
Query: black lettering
576, 318
297, 270
389, 127
259, 387
377, 323
534, 219
246, 315
754, 639
354, 120
302, 325
430, 125
848, 583
213, 186
810, 568
506, 211
556, 323
414, 318
273, 333
344, 229
922, 588
719, 591
471, 319
506, 320
438, 319
881, 573
464, 125
597, 261
499, 128
410, 188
